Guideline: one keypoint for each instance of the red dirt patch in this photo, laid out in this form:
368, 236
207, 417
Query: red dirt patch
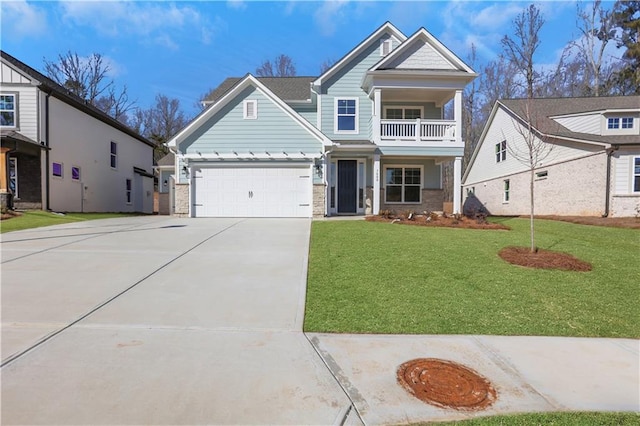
9, 214
543, 259
438, 221
446, 384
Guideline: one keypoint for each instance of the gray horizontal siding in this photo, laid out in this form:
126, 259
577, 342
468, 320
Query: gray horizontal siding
431, 111
431, 171
273, 131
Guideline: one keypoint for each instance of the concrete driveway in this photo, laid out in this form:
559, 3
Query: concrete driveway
152, 320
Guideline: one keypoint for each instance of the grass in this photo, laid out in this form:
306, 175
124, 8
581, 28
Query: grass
39, 218
367, 277
555, 419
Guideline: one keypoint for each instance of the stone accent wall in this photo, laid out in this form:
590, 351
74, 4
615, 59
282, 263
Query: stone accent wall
432, 200
571, 188
182, 199
163, 203
625, 206
319, 201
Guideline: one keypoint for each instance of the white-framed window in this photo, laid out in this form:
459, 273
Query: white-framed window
403, 184
402, 112
501, 151
636, 174
13, 176
542, 175
75, 173
507, 191
114, 155
9, 110
57, 170
346, 113
128, 190
615, 123
386, 46
250, 109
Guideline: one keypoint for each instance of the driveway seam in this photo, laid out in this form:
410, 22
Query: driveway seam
111, 299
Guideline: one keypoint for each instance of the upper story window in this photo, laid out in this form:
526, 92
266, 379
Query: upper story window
614, 123
385, 47
250, 110
501, 151
346, 115
8, 110
402, 113
114, 155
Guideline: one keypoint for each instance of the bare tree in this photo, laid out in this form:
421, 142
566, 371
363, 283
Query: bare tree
115, 104
282, 66
326, 64
532, 152
521, 49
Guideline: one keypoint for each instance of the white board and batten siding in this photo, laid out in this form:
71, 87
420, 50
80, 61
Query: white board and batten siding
419, 54
14, 82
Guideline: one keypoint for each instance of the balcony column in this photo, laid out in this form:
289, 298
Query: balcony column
457, 185
457, 114
377, 114
376, 184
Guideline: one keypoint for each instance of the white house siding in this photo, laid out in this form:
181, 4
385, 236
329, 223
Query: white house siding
588, 123
567, 190
503, 127
77, 139
27, 117
418, 54
273, 131
346, 84
11, 76
624, 202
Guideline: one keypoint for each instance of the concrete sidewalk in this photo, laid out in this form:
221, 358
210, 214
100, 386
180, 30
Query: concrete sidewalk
530, 374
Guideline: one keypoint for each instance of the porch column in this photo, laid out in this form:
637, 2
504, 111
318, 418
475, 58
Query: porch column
457, 114
377, 113
326, 167
4, 183
457, 185
376, 184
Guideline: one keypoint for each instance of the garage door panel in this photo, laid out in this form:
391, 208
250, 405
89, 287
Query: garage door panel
253, 192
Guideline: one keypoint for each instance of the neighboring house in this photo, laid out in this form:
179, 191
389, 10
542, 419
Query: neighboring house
367, 135
165, 170
592, 167
60, 153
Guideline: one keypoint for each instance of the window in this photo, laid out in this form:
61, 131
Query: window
403, 113
56, 169
614, 123
13, 176
128, 190
501, 151
403, 184
507, 188
8, 110
346, 115
114, 155
636, 174
542, 175
75, 173
385, 47
250, 110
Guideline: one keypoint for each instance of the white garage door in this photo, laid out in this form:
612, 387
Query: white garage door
252, 192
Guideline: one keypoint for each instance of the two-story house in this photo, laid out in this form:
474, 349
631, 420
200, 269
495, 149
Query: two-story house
60, 153
588, 158
367, 135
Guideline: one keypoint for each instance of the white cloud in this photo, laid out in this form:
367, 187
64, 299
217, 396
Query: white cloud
329, 15
22, 19
154, 22
237, 4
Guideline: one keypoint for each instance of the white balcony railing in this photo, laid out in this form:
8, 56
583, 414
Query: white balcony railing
418, 130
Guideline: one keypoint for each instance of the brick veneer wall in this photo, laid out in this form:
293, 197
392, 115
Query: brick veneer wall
432, 200
318, 200
181, 199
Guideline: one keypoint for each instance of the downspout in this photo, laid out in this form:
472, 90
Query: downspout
46, 144
610, 152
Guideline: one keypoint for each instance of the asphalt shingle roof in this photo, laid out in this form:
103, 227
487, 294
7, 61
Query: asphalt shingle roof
286, 88
543, 109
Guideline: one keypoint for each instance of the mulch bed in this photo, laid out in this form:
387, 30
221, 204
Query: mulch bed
439, 221
9, 214
543, 259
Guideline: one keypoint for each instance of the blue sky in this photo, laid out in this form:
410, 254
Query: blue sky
184, 48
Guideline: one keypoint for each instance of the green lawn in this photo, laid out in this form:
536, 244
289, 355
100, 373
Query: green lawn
367, 277
555, 419
38, 218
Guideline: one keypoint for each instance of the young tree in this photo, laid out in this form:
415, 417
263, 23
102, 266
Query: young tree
532, 151
626, 17
282, 66
521, 49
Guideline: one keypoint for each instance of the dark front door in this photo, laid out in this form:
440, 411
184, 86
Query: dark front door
347, 185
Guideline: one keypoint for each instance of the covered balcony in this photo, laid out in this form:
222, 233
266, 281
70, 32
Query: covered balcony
418, 130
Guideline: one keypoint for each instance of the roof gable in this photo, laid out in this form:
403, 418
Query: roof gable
386, 28
286, 88
247, 82
422, 51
